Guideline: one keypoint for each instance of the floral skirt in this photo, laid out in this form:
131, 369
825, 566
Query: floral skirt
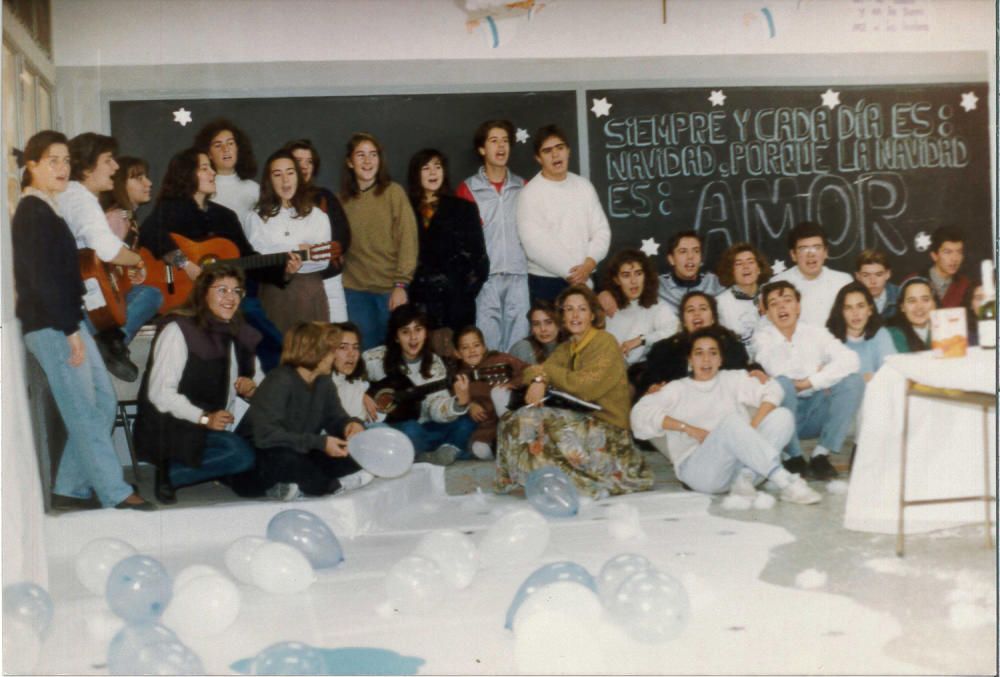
599, 457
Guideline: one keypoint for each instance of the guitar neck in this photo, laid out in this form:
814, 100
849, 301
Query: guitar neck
265, 260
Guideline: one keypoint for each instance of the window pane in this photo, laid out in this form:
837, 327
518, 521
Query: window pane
28, 103
10, 138
44, 107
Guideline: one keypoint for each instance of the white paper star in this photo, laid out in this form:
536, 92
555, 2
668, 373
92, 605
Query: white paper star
779, 266
522, 135
969, 100
601, 107
831, 99
182, 117
650, 247
717, 98
922, 241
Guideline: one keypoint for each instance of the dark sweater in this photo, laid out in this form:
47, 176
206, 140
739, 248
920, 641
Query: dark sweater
452, 264
668, 358
287, 412
46, 270
340, 229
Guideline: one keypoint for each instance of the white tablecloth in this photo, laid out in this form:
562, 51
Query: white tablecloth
945, 445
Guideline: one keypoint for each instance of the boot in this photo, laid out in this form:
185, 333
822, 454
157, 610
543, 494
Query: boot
111, 344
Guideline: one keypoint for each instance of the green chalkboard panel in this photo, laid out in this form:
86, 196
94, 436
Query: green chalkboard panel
877, 166
403, 124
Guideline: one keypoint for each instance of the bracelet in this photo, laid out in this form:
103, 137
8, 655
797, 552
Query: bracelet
401, 285
683, 427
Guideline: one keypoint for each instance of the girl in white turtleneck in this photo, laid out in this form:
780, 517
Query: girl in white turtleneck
642, 319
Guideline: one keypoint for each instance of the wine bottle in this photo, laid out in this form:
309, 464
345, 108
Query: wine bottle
987, 312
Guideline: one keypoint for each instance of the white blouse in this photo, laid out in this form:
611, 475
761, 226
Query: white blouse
655, 323
285, 231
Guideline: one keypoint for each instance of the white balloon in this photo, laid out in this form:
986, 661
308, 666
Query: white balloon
415, 584
95, 561
519, 537
616, 570
280, 568
21, 647
192, 572
382, 451
454, 552
651, 605
239, 554
103, 624
203, 606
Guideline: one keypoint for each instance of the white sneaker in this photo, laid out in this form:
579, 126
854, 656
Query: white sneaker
355, 480
799, 492
284, 491
743, 484
482, 451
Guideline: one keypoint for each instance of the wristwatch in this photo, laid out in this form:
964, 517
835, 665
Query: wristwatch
203, 419
642, 339
538, 379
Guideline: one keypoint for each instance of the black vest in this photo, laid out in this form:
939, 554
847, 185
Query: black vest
204, 381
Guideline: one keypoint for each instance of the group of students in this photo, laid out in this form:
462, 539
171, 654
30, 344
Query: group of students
479, 299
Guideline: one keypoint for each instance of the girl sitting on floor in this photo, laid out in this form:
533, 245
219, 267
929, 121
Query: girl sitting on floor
545, 334
489, 395
435, 420
713, 443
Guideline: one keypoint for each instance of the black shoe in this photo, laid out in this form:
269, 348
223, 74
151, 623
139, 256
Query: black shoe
114, 352
137, 503
163, 489
68, 503
821, 468
796, 465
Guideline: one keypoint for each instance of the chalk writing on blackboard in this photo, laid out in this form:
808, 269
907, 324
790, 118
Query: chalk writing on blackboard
880, 17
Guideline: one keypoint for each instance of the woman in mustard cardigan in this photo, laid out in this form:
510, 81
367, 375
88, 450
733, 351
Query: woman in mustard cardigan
594, 449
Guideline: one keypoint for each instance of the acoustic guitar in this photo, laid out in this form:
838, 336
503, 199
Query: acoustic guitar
106, 286
400, 400
176, 285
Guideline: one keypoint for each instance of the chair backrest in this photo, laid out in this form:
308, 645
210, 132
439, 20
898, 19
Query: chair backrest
139, 354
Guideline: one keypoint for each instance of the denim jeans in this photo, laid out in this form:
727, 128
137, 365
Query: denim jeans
502, 310
141, 304
86, 402
429, 435
826, 414
734, 445
225, 453
269, 348
370, 312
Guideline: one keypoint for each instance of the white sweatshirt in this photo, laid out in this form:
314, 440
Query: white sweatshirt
238, 194
351, 395
702, 404
812, 353
818, 294
655, 323
560, 224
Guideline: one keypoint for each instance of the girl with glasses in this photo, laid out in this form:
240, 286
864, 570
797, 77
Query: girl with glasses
202, 359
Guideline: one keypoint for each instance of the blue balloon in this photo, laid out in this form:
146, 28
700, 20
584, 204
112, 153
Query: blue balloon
551, 492
139, 589
151, 649
355, 660
289, 658
555, 572
305, 531
30, 604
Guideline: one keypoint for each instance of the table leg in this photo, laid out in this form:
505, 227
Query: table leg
986, 476
902, 467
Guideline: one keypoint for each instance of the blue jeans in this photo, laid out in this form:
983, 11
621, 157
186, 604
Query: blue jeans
502, 310
225, 453
86, 402
429, 435
826, 414
141, 304
548, 288
734, 445
269, 348
370, 312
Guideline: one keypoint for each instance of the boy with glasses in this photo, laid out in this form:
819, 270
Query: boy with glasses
817, 284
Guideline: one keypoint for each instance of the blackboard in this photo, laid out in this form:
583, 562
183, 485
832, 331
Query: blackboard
879, 169
403, 124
